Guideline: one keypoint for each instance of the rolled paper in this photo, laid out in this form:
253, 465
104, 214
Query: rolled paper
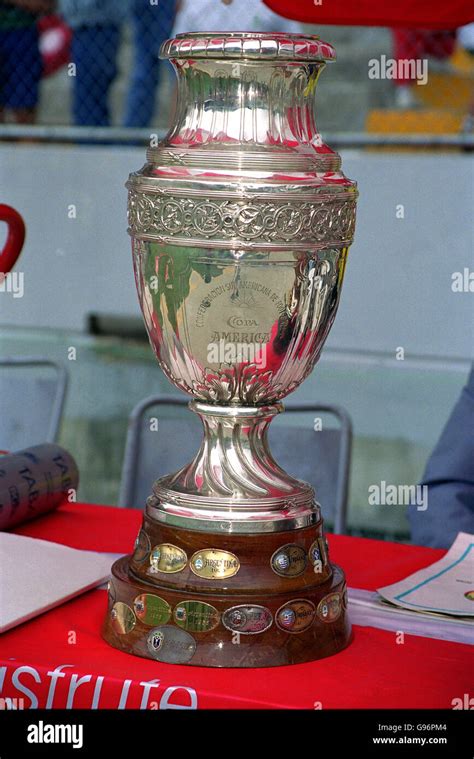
34, 481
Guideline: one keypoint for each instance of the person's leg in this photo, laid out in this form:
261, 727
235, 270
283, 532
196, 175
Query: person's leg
21, 70
152, 25
3, 74
94, 51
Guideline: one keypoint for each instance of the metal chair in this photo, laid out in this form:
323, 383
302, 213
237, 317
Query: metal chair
31, 407
322, 458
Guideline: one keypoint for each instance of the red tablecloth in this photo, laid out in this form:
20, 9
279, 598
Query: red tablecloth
374, 672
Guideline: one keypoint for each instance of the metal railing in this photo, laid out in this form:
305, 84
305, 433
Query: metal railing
130, 136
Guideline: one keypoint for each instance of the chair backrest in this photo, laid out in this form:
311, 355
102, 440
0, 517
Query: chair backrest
163, 436
32, 394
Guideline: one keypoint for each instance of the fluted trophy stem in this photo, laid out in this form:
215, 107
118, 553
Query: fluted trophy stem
234, 483
241, 221
234, 461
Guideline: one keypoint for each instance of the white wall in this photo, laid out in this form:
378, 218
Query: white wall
398, 284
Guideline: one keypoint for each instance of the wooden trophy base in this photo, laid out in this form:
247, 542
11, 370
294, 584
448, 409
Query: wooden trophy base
205, 599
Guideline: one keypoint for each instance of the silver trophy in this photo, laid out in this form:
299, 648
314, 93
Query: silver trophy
241, 221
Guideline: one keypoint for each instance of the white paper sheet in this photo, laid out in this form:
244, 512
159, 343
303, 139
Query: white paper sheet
446, 587
37, 575
368, 609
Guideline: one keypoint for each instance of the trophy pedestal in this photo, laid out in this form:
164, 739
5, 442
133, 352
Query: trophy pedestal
253, 600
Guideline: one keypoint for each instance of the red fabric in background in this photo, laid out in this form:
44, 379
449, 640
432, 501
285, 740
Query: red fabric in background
413, 44
374, 672
55, 43
421, 14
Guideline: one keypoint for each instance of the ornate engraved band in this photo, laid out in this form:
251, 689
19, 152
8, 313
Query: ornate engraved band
214, 222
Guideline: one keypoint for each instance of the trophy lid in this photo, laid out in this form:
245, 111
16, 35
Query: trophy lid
244, 45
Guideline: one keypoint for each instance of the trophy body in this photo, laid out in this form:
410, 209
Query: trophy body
241, 221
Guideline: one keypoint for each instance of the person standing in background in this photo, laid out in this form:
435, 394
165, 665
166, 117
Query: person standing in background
20, 59
466, 41
230, 16
96, 26
152, 23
